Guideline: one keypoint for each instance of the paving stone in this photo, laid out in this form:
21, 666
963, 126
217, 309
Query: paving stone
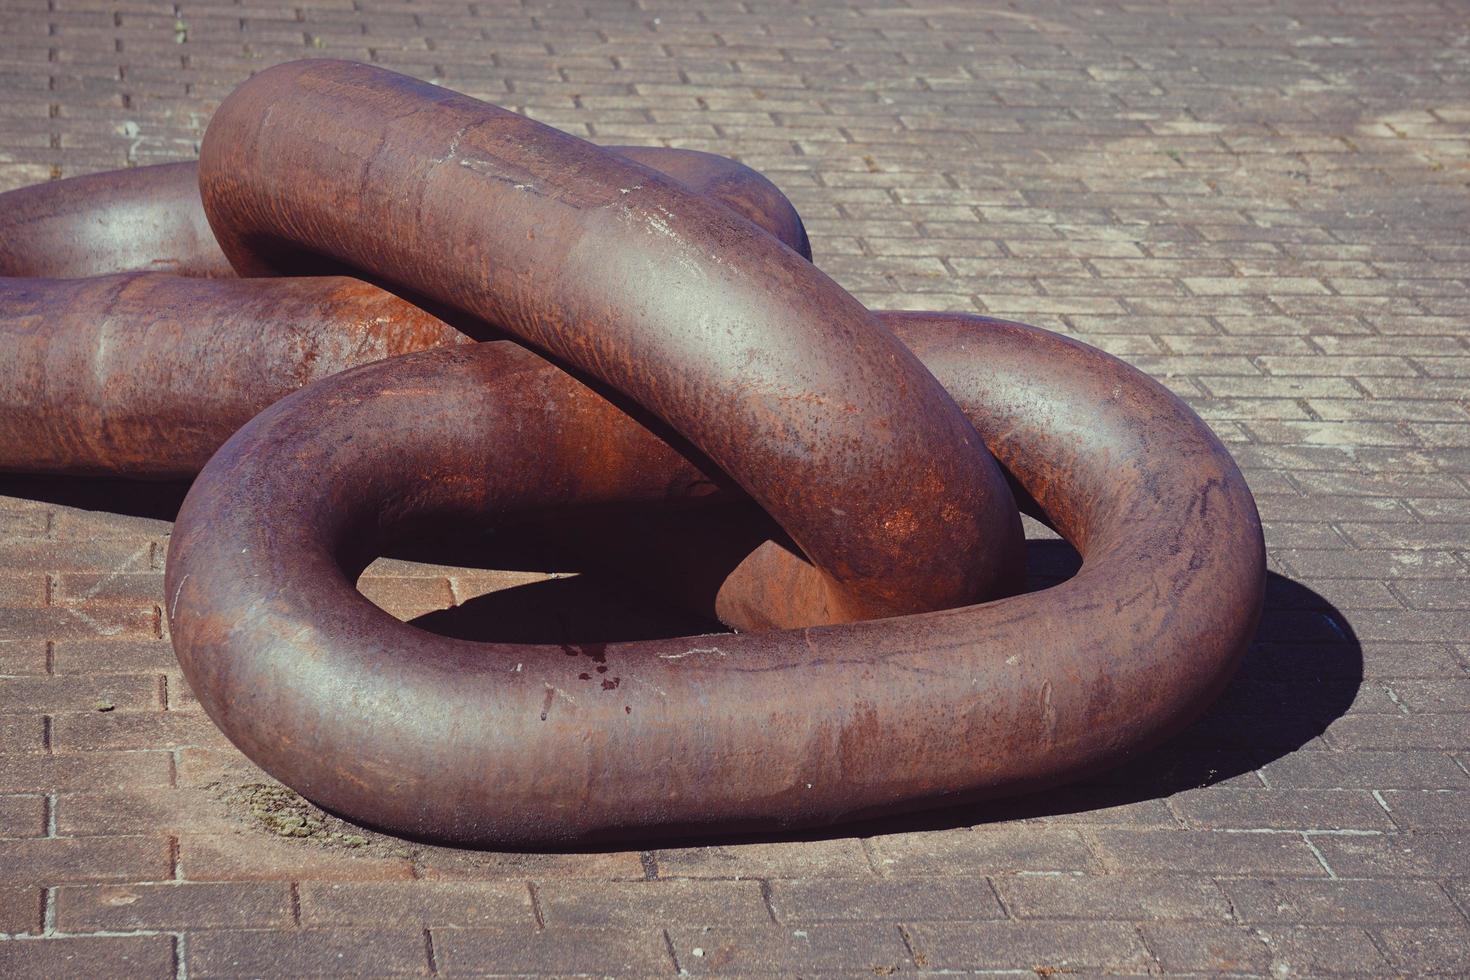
1312, 950
130, 730
1198, 947
1442, 695
842, 857
451, 864
212, 769
1262, 208
33, 773
867, 949
524, 950
87, 956
985, 850
1394, 855
1282, 808
1221, 852
1427, 810
1445, 732
22, 816
62, 556
406, 597
1376, 769
23, 590
130, 692
113, 656
682, 902
58, 860
175, 906
437, 904
841, 899
1341, 900
79, 523
1427, 949
1126, 896
19, 656
1042, 947
20, 910
256, 856
1097, 807
142, 810
91, 589
383, 951
22, 734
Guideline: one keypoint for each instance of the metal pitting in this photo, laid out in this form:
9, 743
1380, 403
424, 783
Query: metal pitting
451, 313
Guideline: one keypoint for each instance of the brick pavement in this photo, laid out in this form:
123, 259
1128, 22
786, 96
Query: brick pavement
1263, 204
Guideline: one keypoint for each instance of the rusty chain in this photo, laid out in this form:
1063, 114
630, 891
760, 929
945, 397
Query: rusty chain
670, 347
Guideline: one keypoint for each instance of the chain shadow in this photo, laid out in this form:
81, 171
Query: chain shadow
153, 500
581, 608
1302, 671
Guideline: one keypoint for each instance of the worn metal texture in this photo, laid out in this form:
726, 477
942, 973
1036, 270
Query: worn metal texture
150, 219
687, 309
835, 468
144, 219
146, 374
511, 745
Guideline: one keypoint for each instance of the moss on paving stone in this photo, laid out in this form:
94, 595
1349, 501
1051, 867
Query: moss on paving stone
286, 813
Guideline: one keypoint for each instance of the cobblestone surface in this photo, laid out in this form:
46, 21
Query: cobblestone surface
1263, 204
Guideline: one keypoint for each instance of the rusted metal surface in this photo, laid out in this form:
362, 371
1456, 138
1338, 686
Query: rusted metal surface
146, 219
689, 363
150, 219
533, 745
695, 314
145, 374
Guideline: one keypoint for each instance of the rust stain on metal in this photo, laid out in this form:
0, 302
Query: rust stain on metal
697, 315
146, 366
841, 485
714, 732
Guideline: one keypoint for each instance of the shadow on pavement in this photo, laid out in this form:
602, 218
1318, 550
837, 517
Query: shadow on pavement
130, 498
1302, 671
